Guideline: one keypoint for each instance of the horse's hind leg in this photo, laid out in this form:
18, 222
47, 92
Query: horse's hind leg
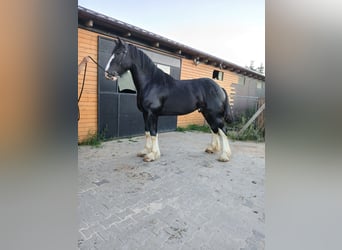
215, 145
216, 124
226, 152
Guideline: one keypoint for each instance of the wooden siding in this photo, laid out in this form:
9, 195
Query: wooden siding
87, 46
190, 71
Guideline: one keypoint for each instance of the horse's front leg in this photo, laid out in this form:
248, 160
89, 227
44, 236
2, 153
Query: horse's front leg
148, 146
152, 121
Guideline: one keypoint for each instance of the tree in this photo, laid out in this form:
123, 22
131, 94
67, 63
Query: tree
251, 66
261, 68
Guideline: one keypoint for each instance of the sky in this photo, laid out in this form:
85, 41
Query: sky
231, 30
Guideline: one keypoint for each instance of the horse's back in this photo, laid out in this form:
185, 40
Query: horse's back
209, 88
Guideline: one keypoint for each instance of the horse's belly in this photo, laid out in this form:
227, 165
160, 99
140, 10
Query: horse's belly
178, 107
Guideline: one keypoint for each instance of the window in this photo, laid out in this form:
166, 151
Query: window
165, 68
218, 75
259, 85
241, 80
126, 84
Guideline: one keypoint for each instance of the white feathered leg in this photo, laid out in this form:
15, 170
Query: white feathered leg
155, 153
148, 146
226, 152
215, 145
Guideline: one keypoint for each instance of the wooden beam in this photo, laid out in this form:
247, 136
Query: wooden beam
90, 23
252, 118
196, 60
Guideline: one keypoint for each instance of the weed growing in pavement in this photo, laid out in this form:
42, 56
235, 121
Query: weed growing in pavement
93, 139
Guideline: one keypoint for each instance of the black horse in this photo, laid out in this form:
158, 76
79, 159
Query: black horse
159, 94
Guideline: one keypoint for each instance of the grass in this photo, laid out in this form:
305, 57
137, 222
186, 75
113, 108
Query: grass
93, 139
194, 127
250, 134
133, 140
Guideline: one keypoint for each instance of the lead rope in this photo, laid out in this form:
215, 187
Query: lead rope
83, 81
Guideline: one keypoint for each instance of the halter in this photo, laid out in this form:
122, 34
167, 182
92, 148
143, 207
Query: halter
124, 55
115, 75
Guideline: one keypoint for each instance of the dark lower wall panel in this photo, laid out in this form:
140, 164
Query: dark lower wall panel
107, 115
131, 121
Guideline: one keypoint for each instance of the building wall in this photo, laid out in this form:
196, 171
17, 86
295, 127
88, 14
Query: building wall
248, 92
190, 71
87, 46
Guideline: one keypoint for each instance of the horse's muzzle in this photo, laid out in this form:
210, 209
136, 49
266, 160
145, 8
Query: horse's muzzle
111, 76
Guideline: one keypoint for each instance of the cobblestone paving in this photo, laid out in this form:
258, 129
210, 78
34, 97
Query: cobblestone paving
184, 200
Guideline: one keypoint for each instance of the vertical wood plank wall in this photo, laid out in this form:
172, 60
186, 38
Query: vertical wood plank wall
190, 71
87, 46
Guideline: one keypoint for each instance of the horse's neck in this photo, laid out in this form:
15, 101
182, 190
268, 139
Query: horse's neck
143, 69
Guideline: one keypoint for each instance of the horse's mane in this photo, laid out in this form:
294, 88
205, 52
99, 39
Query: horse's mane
146, 64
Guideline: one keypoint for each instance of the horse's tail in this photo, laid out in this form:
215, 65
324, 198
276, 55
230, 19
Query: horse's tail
228, 114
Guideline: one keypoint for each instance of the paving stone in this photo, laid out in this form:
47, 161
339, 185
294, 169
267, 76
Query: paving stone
122, 215
110, 221
184, 200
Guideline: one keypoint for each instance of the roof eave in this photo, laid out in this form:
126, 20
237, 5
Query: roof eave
151, 39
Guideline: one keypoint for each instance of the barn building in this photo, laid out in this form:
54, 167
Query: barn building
109, 108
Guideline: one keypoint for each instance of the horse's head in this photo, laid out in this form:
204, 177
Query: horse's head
117, 63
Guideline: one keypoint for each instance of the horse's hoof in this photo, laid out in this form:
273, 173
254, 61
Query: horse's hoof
223, 158
146, 159
144, 152
149, 157
209, 150
141, 154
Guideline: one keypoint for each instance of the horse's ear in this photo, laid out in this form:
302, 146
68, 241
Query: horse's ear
120, 41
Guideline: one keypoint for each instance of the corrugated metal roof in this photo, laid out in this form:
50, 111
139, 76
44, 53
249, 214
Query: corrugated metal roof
111, 26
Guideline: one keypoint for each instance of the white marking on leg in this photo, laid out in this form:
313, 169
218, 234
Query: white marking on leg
109, 62
215, 145
226, 153
155, 146
155, 153
148, 146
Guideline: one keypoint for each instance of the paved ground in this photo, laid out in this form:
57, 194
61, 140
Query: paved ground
184, 200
